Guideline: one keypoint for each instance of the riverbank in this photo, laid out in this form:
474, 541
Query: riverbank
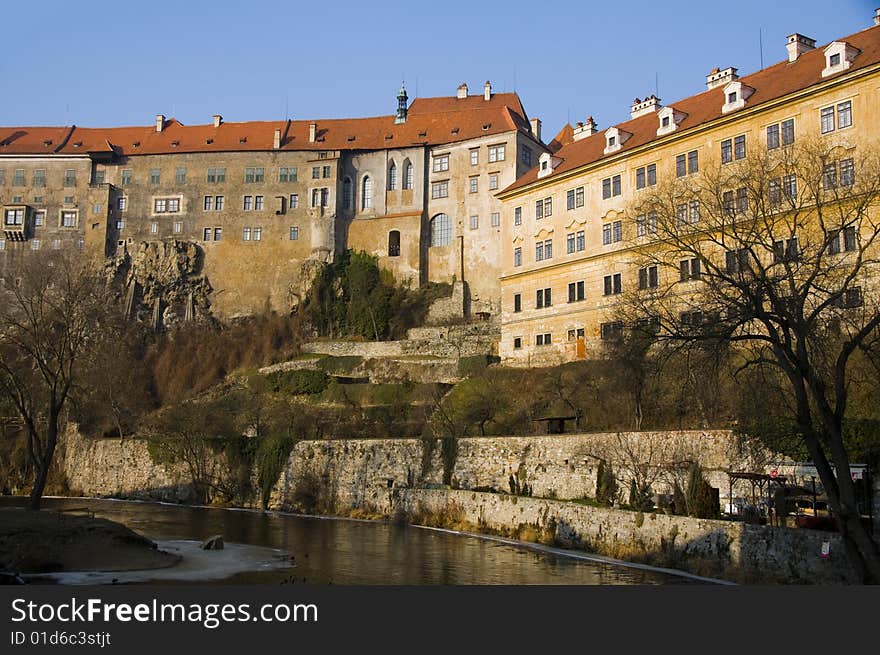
47, 542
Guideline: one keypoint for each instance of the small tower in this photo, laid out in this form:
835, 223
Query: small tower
401, 105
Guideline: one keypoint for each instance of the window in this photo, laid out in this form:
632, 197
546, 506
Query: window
726, 151
648, 278
727, 203
258, 233
347, 194
155, 176
392, 177
496, 219
517, 343
789, 187
689, 269
206, 234
258, 203
154, 228
785, 129
646, 176
844, 116
548, 207
539, 209
218, 233
18, 177
252, 175
216, 175
319, 197
739, 147
248, 203
517, 215
693, 162
834, 60
246, 234
785, 250
611, 187
694, 211
218, 203
475, 222
121, 203
126, 176
166, 205
97, 208
613, 284
35, 244
612, 330
180, 176
496, 153
738, 262
612, 232
287, 174
850, 298
691, 319
475, 156
209, 203
543, 298
316, 173
493, 181
569, 243
294, 201
473, 184
441, 230
177, 227
14, 217
526, 156
70, 177
440, 163
120, 224
408, 175
517, 256
325, 172
40, 218
517, 302
68, 219
576, 291
646, 224
294, 233
440, 189
366, 192
39, 177
543, 250
847, 172
543, 339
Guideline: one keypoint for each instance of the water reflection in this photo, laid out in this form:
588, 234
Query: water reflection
357, 552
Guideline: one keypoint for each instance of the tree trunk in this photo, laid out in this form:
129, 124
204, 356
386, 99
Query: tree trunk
45, 463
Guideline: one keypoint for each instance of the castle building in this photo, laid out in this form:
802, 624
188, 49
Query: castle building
265, 201
571, 242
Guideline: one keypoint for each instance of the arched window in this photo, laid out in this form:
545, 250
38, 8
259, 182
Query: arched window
392, 176
407, 174
394, 243
347, 195
441, 230
367, 193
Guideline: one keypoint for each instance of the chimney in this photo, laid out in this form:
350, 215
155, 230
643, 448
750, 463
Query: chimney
313, 127
276, 140
218, 119
877, 16
487, 91
797, 45
462, 91
160, 122
649, 105
718, 77
583, 130
536, 129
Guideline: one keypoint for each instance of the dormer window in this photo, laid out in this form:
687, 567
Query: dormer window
546, 164
669, 120
839, 56
735, 95
614, 139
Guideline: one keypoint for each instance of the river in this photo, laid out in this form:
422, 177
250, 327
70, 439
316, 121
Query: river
339, 551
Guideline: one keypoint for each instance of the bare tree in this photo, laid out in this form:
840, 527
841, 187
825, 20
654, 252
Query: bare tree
775, 254
49, 318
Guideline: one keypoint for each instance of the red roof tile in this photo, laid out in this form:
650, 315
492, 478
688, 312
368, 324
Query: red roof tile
431, 121
769, 83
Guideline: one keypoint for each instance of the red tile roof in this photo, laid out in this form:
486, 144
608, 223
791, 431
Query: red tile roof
563, 138
769, 83
431, 121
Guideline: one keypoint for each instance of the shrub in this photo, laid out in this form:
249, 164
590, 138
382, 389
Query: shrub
298, 382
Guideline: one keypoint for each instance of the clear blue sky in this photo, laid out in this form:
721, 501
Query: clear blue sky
102, 63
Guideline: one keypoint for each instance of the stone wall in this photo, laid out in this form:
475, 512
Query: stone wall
722, 547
